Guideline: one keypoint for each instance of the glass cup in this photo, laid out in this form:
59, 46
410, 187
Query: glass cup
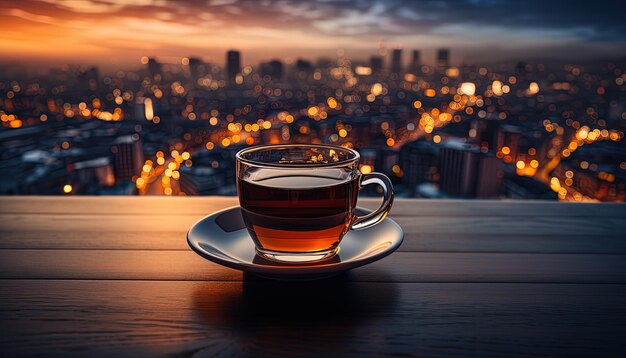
298, 201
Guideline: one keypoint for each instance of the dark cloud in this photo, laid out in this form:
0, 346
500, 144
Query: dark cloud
467, 25
602, 18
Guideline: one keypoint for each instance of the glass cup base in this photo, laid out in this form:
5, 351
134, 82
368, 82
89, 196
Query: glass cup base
297, 257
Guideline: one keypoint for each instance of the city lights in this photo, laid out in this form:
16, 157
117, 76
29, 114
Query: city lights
517, 129
363, 71
467, 88
376, 89
149, 112
496, 88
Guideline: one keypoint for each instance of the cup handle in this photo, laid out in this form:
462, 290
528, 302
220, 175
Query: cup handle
373, 218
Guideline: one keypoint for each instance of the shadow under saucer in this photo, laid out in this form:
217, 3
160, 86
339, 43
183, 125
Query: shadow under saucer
268, 317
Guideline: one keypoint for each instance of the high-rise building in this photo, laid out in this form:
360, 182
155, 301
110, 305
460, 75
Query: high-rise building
419, 161
466, 172
443, 58
376, 63
128, 156
233, 65
396, 60
273, 69
415, 62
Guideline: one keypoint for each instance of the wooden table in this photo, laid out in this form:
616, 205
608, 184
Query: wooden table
108, 276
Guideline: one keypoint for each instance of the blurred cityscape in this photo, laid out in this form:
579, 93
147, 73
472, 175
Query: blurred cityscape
538, 130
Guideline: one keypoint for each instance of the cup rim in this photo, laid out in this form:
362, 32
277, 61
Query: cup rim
240, 158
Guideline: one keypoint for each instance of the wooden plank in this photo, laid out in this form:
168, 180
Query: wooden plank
115, 205
135, 318
120, 239
107, 264
148, 205
399, 267
114, 239
554, 243
481, 225
490, 225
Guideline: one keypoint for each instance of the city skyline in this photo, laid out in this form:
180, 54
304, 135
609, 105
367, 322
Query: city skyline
112, 33
456, 99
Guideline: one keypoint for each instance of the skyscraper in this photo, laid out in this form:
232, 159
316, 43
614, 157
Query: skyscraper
233, 65
415, 62
396, 60
465, 172
443, 58
128, 156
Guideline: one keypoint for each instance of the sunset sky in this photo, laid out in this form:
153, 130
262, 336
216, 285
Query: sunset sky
117, 32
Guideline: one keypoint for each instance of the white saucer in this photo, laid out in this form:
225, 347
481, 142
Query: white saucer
222, 238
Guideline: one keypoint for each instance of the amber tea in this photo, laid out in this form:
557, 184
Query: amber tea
298, 211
